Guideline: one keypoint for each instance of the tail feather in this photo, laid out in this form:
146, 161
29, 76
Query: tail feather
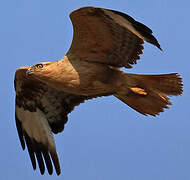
147, 94
170, 84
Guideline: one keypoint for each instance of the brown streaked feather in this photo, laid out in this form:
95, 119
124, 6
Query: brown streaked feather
108, 37
33, 96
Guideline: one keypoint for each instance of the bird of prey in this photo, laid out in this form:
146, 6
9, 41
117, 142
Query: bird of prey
103, 42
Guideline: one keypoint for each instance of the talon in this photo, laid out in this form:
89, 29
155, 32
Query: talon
139, 91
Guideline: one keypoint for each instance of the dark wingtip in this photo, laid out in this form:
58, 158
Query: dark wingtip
58, 172
152, 40
159, 47
30, 150
155, 42
48, 162
55, 159
20, 133
145, 31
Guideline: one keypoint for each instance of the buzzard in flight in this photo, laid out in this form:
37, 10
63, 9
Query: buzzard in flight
104, 41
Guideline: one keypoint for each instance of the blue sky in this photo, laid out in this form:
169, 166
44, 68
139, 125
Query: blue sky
104, 138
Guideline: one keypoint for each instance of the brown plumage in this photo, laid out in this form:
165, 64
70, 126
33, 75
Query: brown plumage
104, 40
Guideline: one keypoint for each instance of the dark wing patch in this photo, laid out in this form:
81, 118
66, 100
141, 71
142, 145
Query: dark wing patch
109, 37
40, 110
144, 30
57, 105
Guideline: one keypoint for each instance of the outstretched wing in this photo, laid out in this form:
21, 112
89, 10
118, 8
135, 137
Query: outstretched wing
108, 37
41, 110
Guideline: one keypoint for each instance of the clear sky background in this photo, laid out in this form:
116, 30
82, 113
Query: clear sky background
104, 138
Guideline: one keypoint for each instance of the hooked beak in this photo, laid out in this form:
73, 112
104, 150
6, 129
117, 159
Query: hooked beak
29, 72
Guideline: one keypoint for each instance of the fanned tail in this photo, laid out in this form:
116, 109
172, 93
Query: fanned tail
148, 94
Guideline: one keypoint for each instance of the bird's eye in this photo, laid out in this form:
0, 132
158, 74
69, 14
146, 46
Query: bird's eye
39, 65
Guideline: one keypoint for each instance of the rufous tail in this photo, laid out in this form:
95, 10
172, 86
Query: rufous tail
148, 94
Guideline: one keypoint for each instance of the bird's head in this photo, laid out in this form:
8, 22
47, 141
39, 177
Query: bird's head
41, 70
